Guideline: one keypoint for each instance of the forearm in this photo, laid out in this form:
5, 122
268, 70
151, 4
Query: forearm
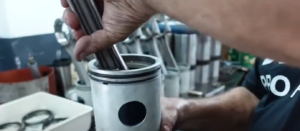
267, 28
231, 111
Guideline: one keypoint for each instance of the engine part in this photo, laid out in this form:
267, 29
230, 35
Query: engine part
172, 83
216, 50
127, 100
203, 59
84, 93
184, 79
90, 20
68, 42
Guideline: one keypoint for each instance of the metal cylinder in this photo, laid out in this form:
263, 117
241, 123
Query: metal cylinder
84, 93
63, 76
127, 100
216, 50
203, 59
181, 48
184, 79
172, 83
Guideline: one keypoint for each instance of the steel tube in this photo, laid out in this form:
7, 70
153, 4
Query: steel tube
127, 100
90, 21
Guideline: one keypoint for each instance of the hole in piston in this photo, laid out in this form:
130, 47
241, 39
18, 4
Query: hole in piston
132, 113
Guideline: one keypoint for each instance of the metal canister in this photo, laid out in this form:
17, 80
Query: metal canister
203, 58
184, 79
193, 43
127, 100
63, 76
172, 83
216, 50
181, 48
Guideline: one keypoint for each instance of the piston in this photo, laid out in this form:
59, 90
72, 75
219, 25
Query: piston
127, 100
203, 59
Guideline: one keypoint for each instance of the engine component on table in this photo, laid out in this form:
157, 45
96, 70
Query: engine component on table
127, 100
216, 50
90, 20
184, 79
203, 59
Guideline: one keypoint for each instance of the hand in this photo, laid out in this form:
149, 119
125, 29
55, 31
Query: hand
120, 19
172, 109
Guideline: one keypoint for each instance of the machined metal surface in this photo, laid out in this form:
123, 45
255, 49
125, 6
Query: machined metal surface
203, 59
216, 50
90, 19
128, 100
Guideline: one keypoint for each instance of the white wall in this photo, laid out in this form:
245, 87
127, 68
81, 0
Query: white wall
28, 17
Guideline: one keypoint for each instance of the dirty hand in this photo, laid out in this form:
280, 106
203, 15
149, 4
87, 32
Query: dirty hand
172, 109
120, 19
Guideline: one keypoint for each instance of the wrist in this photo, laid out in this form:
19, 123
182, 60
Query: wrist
184, 110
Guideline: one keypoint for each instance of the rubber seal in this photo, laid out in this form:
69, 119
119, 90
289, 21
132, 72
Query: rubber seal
38, 113
10, 124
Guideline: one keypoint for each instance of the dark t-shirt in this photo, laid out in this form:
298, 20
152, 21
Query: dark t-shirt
278, 88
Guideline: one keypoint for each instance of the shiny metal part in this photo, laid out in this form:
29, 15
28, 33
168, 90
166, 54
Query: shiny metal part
68, 42
203, 59
127, 100
90, 21
33, 67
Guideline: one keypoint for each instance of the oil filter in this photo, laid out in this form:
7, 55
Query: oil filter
127, 100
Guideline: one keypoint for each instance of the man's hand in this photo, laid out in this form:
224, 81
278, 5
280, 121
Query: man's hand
120, 19
172, 109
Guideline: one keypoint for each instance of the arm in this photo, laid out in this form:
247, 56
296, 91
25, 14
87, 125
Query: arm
231, 111
271, 27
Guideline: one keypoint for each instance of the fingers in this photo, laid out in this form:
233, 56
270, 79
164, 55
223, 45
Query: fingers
64, 3
78, 34
87, 45
71, 19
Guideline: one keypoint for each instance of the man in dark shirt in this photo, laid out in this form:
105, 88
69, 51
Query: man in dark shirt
267, 101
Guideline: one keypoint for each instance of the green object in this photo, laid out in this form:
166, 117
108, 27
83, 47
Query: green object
234, 55
245, 59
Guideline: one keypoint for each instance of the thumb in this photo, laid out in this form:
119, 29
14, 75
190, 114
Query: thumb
168, 121
90, 44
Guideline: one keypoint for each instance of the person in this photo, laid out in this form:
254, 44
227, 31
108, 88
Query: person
268, 99
266, 28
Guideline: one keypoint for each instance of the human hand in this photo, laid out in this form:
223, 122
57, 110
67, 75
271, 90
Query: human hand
120, 19
173, 113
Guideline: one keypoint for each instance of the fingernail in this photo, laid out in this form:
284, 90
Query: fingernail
166, 128
82, 56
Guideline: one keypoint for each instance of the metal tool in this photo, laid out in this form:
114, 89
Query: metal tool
127, 100
33, 67
90, 20
68, 42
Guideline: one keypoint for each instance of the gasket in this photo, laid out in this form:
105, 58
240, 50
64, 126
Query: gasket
38, 113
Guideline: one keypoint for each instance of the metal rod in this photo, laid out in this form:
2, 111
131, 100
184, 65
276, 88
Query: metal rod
90, 21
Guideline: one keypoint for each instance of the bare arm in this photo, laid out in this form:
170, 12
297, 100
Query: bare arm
267, 28
231, 111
